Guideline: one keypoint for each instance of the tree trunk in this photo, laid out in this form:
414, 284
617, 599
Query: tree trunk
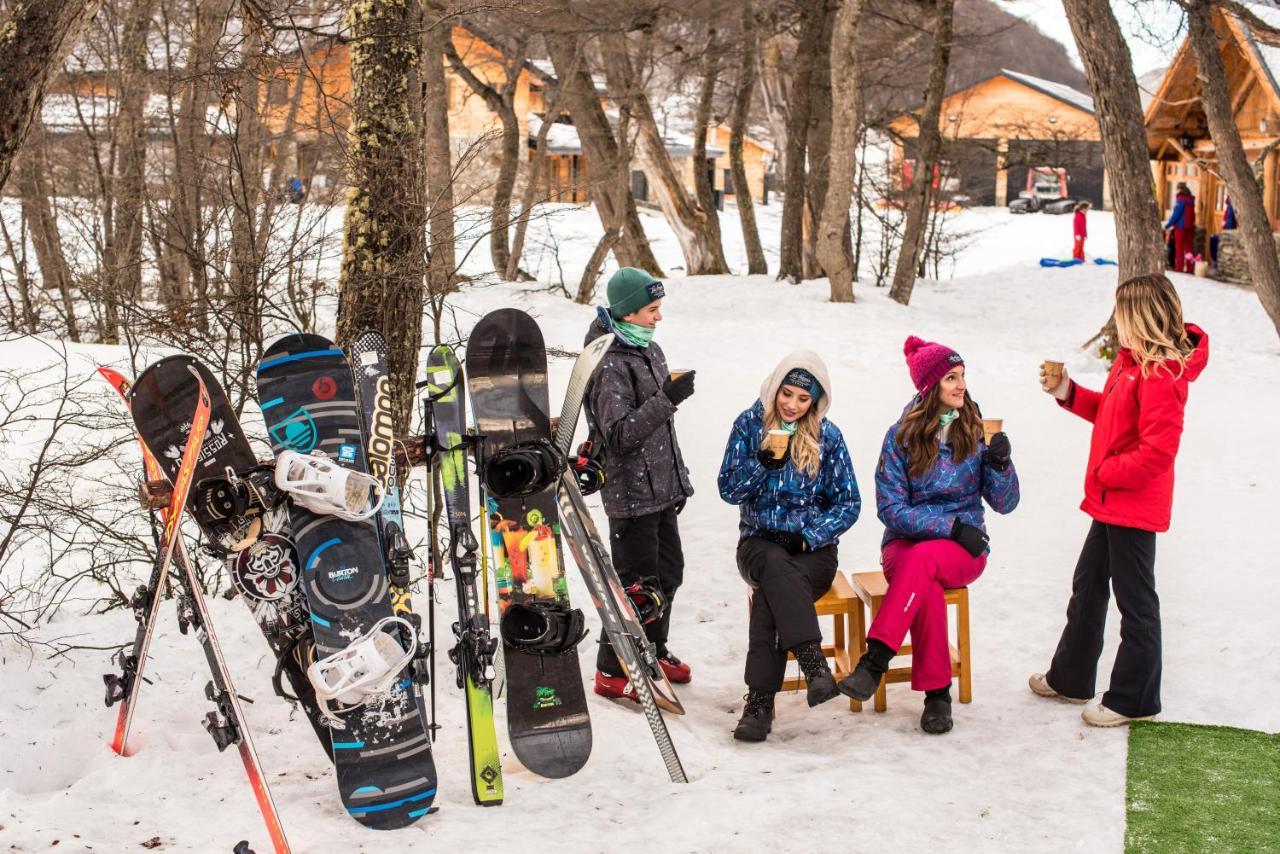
791, 255
756, 263
502, 102
609, 178
246, 188
43, 221
774, 94
591, 273
690, 221
32, 44
928, 144
383, 259
702, 177
833, 225
1109, 68
436, 33
819, 145
537, 171
1246, 197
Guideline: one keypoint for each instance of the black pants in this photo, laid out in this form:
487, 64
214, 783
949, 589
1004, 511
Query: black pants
645, 547
782, 616
1124, 559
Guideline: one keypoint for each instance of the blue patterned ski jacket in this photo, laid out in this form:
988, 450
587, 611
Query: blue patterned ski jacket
787, 499
925, 508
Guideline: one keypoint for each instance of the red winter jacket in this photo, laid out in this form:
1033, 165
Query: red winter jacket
1078, 226
1137, 423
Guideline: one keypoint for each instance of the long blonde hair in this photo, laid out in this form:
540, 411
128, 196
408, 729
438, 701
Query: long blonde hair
1149, 314
806, 444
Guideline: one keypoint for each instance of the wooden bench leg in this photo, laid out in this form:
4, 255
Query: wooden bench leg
853, 642
962, 637
882, 700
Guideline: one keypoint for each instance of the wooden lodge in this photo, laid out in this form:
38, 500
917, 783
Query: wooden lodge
999, 132
1178, 134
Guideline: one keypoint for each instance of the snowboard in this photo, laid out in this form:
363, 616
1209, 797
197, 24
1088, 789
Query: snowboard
473, 655
382, 752
266, 573
637, 655
547, 718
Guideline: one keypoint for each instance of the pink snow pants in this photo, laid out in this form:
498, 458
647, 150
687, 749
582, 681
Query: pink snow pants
917, 572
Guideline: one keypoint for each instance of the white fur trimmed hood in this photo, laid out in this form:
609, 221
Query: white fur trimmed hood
809, 361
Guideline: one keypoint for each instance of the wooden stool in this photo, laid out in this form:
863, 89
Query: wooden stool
870, 588
842, 604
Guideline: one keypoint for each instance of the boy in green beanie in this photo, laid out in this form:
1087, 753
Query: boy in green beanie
632, 402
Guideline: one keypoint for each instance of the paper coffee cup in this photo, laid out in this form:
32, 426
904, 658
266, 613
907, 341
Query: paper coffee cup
1052, 371
990, 427
677, 374
777, 440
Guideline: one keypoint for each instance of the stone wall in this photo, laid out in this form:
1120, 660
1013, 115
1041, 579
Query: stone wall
1233, 262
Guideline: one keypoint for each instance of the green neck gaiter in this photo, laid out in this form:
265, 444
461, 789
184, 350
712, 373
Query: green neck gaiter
948, 416
639, 336
788, 428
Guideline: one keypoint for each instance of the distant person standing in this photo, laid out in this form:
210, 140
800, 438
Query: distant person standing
1080, 230
1182, 224
1228, 224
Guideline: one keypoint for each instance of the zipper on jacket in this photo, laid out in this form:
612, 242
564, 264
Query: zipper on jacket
1104, 496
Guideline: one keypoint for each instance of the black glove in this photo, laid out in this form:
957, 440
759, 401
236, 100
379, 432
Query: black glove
998, 452
768, 460
678, 391
680, 505
793, 543
972, 539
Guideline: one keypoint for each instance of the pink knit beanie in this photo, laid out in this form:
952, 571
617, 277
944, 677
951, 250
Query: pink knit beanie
928, 362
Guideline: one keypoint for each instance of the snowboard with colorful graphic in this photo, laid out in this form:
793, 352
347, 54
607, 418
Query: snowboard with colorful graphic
382, 748
547, 717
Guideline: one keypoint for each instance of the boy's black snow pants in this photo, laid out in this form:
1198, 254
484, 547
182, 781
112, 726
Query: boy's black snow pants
1124, 559
645, 547
782, 616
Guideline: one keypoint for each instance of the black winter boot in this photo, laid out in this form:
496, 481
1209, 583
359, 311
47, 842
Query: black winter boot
757, 717
822, 685
865, 678
936, 719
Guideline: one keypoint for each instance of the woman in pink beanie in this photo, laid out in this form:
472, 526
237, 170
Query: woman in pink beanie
934, 472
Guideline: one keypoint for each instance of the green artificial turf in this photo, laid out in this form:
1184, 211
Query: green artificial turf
1202, 788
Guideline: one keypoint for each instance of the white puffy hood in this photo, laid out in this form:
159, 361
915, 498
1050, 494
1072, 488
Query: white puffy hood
809, 361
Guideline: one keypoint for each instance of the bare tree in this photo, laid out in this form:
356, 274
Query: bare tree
711, 58
382, 260
435, 140
756, 263
1109, 67
1246, 196
812, 20
833, 226
33, 41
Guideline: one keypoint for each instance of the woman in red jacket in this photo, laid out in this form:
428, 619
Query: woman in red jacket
1128, 490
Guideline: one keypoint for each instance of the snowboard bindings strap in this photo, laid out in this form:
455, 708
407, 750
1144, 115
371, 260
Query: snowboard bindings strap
543, 628
522, 469
647, 601
322, 486
588, 467
365, 669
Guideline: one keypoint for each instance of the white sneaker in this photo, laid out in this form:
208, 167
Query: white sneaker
1039, 683
1099, 715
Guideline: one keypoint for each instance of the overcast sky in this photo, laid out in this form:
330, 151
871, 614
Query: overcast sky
1147, 23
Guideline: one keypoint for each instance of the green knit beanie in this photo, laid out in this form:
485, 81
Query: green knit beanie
630, 290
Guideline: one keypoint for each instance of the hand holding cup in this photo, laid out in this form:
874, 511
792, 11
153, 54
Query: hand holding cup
1054, 379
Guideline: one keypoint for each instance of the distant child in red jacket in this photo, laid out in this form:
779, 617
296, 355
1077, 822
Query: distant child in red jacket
1128, 490
1080, 230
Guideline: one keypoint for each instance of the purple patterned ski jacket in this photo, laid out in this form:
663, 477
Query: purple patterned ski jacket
925, 508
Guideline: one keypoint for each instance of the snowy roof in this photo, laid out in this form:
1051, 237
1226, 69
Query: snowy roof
1268, 54
68, 113
1149, 85
563, 139
1061, 91
547, 69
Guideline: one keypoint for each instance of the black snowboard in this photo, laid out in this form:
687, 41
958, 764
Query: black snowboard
386, 776
266, 573
547, 716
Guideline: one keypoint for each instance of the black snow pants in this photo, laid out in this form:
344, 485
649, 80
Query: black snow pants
645, 547
1124, 559
782, 616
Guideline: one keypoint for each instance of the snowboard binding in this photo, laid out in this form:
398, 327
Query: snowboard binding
588, 467
324, 487
234, 505
366, 669
522, 469
542, 628
647, 601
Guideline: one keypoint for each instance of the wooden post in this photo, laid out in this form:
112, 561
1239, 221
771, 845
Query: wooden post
1002, 172
1106, 188
1269, 188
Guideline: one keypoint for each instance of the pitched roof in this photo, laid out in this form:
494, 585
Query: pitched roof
1059, 91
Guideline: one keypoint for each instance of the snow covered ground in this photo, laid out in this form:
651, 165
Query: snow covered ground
1018, 773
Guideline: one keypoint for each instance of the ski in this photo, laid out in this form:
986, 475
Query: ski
583, 368
226, 724
636, 654
547, 716
474, 653
382, 748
